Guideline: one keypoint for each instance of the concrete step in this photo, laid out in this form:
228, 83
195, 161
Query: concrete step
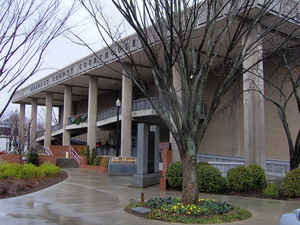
66, 163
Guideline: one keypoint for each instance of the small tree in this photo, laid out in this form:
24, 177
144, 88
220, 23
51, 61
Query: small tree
183, 59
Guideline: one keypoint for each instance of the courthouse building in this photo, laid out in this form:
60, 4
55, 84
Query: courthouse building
87, 90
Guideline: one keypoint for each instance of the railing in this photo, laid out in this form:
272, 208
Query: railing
45, 150
55, 127
107, 113
137, 105
40, 133
144, 104
74, 155
48, 152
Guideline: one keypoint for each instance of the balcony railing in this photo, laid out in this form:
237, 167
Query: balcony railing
55, 127
137, 105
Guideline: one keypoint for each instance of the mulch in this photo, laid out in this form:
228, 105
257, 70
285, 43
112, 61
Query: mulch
16, 187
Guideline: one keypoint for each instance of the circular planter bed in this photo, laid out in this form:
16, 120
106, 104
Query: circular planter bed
205, 211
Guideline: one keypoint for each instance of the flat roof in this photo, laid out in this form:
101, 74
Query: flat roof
106, 67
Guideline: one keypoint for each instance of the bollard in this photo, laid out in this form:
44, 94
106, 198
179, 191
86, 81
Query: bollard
142, 197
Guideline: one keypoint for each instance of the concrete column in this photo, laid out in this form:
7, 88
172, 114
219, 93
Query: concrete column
126, 123
47, 141
21, 126
142, 148
67, 113
177, 86
142, 178
92, 112
33, 122
254, 119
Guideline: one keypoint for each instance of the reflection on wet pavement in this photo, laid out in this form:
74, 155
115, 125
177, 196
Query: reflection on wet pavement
89, 198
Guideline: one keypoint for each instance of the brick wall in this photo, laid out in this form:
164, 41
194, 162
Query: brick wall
12, 158
46, 158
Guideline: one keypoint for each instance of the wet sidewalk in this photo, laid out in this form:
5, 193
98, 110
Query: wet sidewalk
90, 198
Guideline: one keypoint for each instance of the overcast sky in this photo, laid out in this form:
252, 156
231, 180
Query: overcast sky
63, 51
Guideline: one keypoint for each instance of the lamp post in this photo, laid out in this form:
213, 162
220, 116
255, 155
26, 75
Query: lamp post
118, 105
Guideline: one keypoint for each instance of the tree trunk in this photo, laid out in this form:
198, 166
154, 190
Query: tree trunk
189, 162
295, 154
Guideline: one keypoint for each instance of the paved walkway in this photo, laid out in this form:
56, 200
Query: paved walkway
88, 198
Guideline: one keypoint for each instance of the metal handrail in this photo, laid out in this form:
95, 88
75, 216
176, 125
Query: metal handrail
48, 151
55, 127
75, 156
44, 149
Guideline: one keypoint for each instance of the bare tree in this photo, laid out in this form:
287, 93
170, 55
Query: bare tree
283, 93
185, 43
27, 28
12, 118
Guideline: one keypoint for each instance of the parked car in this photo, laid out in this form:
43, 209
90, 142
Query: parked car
290, 218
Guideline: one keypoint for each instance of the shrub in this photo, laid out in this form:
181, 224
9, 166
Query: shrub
9, 170
272, 190
104, 162
210, 179
84, 151
97, 161
240, 179
157, 203
48, 169
28, 171
291, 184
33, 158
175, 174
258, 176
91, 156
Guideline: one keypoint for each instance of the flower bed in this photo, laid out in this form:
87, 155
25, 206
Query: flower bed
204, 211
